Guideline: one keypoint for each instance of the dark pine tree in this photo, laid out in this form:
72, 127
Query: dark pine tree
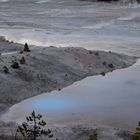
26, 48
32, 128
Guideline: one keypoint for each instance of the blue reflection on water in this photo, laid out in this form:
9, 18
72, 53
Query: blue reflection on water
53, 104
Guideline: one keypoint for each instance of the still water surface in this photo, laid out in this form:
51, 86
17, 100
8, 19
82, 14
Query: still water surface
112, 100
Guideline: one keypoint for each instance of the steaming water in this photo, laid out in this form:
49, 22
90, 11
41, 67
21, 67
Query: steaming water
105, 26
111, 100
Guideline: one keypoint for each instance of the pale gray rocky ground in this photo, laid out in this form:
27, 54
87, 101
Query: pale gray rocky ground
74, 132
51, 68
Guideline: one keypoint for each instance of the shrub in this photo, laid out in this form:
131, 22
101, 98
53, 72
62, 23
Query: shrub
21, 52
26, 48
5, 69
59, 89
32, 128
90, 52
93, 136
103, 73
104, 63
111, 65
136, 135
15, 65
66, 75
96, 53
22, 60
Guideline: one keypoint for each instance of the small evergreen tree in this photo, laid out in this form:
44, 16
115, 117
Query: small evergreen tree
32, 128
93, 136
136, 136
26, 48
